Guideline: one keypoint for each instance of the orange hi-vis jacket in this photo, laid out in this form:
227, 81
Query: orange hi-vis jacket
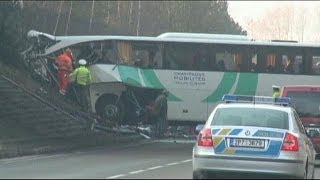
64, 63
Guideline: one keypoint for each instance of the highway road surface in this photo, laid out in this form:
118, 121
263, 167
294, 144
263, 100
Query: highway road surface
153, 159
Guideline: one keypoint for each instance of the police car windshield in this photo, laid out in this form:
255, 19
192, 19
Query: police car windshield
307, 104
242, 116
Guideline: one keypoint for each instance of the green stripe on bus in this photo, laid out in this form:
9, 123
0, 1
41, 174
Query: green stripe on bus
129, 75
223, 88
152, 80
247, 84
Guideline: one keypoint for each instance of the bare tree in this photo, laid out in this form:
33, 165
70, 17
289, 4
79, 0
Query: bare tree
70, 10
278, 23
139, 16
108, 12
91, 17
130, 13
302, 23
21, 4
58, 18
119, 16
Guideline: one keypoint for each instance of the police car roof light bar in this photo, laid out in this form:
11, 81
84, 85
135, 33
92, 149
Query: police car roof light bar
256, 99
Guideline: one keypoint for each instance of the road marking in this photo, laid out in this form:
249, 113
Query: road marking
171, 164
188, 160
176, 141
156, 167
30, 158
116, 176
136, 172
148, 169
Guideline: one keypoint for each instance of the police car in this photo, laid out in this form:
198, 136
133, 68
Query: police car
253, 136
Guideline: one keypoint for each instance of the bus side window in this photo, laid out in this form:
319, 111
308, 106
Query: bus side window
125, 53
141, 58
157, 60
271, 63
316, 64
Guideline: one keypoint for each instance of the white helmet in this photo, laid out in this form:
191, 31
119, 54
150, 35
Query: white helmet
82, 62
275, 87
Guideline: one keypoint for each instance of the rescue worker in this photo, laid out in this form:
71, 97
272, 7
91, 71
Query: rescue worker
159, 111
65, 67
82, 78
276, 91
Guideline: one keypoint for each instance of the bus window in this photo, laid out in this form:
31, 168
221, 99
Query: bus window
141, 58
253, 65
125, 53
157, 60
316, 64
271, 63
140, 54
90, 51
298, 65
106, 54
187, 56
237, 62
292, 64
225, 61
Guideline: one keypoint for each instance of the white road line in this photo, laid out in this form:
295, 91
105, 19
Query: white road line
136, 172
149, 169
30, 158
188, 160
171, 164
116, 176
156, 167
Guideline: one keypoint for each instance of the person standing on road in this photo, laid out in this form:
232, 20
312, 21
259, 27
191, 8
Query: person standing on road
82, 78
276, 91
65, 67
159, 111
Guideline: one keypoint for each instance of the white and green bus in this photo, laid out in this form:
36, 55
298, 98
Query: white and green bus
196, 69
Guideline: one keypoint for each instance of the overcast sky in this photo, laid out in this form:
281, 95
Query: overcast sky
244, 10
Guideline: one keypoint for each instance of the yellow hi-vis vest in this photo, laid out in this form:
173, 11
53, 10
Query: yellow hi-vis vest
82, 75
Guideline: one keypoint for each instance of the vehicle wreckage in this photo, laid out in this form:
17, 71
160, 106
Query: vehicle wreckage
115, 96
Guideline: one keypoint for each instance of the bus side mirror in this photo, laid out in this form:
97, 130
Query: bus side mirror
199, 127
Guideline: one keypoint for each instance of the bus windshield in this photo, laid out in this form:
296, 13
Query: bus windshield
307, 104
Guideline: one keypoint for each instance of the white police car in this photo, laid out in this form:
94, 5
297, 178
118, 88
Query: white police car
253, 135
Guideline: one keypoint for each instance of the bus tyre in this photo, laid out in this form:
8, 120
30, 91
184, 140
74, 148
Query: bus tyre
110, 109
199, 175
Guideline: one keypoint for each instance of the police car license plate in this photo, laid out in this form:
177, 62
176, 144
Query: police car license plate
247, 143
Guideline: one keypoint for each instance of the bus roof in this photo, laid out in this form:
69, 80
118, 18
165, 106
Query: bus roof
204, 36
65, 41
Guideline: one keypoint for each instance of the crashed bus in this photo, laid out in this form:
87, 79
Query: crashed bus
196, 69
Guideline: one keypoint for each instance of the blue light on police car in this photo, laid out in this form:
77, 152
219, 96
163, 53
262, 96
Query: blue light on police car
282, 100
256, 99
227, 97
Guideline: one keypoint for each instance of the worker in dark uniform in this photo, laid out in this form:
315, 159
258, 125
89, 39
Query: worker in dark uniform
158, 113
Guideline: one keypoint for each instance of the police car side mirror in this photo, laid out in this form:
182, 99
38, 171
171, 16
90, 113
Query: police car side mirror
199, 127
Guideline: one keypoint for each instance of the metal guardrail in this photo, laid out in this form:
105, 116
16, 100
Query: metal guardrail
39, 98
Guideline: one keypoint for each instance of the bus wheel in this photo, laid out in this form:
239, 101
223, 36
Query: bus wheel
110, 109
